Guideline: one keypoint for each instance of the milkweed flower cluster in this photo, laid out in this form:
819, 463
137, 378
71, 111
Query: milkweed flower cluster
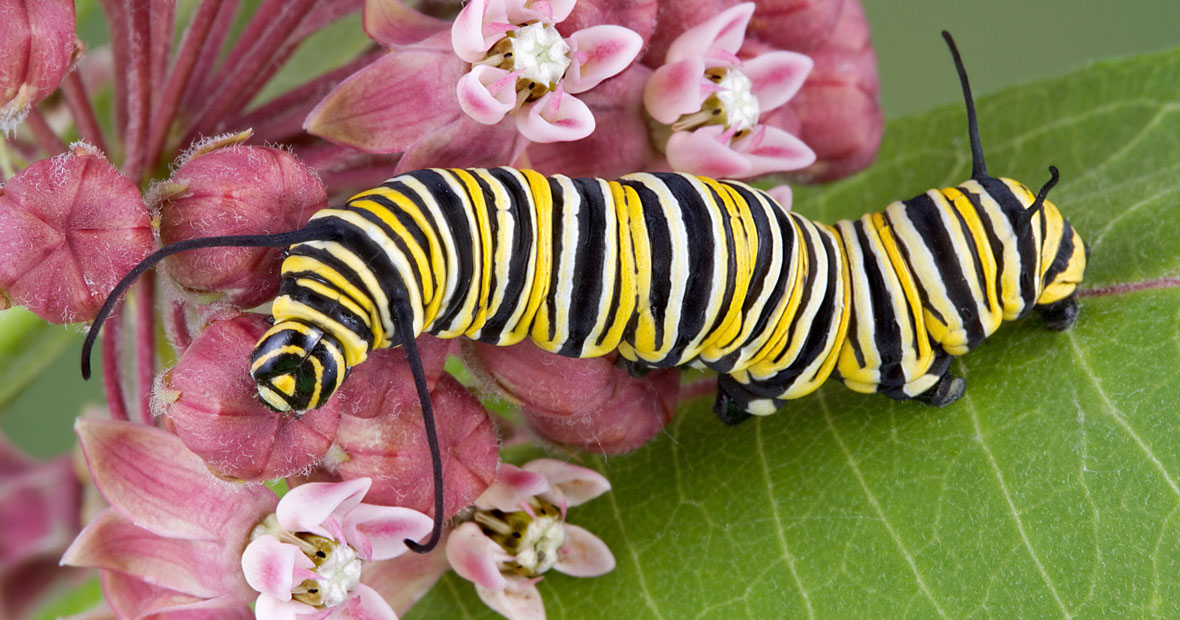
191, 149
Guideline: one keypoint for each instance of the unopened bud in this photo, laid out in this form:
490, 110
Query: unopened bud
70, 228
235, 190
214, 408
36, 48
391, 449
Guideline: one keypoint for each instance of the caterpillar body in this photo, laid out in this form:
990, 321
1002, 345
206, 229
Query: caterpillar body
667, 269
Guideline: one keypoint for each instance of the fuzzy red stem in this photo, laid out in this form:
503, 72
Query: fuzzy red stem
163, 14
195, 37
43, 134
120, 40
178, 326
145, 344
75, 94
261, 52
194, 95
139, 95
112, 332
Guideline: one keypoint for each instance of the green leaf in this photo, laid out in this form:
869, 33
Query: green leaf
1052, 489
27, 346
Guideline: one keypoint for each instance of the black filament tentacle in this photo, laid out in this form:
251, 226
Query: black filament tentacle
316, 230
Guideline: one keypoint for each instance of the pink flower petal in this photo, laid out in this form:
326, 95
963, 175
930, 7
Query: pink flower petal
543, 121
675, 89
776, 77
307, 507
620, 143
130, 597
702, 152
475, 556
548, 11
469, 38
782, 194
393, 24
584, 554
487, 93
776, 151
638, 15
575, 483
204, 569
366, 604
391, 104
724, 31
381, 531
607, 49
154, 481
515, 604
268, 607
272, 567
513, 487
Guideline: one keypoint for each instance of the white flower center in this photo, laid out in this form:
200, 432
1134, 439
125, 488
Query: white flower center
340, 572
539, 544
533, 540
540, 53
738, 100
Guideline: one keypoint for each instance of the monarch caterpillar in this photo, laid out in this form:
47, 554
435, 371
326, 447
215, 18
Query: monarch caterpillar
667, 269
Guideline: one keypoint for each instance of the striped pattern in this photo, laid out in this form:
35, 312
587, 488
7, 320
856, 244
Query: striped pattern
671, 269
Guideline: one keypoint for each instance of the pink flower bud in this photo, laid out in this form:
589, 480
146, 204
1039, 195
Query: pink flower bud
383, 384
36, 46
214, 408
391, 449
235, 190
837, 112
586, 403
70, 227
39, 509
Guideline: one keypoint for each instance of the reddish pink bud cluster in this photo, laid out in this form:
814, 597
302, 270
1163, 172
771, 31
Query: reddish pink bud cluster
70, 227
234, 190
36, 48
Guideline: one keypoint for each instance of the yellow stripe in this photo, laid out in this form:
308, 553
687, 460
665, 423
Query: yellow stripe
289, 349
295, 264
484, 278
542, 196
355, 349
336, 296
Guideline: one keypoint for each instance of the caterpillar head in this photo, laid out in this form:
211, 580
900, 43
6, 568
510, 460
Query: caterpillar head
297, 366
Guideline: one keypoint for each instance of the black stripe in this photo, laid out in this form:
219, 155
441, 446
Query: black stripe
555, 266
886, 329
588, 264
462, 237
520, 209
923, 214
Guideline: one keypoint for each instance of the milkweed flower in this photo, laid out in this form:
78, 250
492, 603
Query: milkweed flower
521, 64
177, 538
443, 94
518, 532
712, 101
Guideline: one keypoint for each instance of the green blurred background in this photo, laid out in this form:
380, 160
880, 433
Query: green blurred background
1004, 42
